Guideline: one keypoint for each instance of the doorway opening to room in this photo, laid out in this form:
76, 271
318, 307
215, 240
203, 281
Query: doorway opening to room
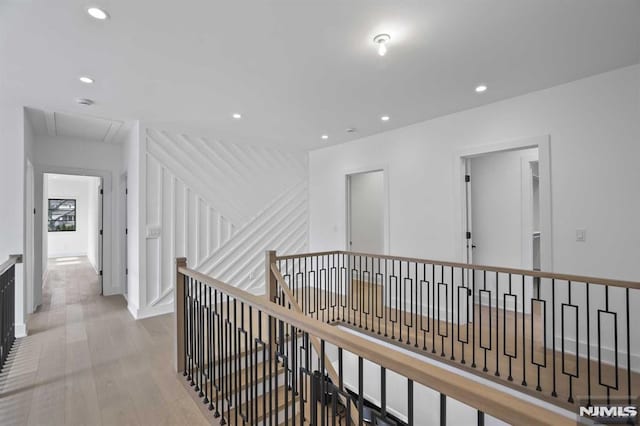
503, 208
506, 209
73, 230
367, 212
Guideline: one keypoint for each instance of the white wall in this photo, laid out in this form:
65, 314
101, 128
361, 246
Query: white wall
81, 157
594, 150
132, 165
367, 210
221, 206
70, 243
594, 129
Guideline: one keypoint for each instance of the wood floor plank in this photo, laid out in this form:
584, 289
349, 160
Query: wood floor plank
86, 361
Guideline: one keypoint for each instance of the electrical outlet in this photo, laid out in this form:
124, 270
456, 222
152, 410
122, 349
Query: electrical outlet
251, 275
581, 235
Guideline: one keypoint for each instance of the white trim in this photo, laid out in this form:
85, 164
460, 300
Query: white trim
608, 354
150, 311
20, 330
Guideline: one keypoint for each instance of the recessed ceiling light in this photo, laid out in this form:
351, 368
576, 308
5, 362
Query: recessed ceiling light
85, 101
237, 116
87, 80
385, 118
325, 137
381, 41
97, 13
481, 88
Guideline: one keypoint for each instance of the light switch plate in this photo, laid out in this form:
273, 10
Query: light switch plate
581, 235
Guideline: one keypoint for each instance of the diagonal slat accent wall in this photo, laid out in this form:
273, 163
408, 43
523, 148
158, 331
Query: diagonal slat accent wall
220, 205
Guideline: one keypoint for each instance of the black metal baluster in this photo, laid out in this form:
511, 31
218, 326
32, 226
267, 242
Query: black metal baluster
628, 347
473, 317
360, 390
480, 418
200, 340
453, 296
323, 383
553, 328
589, 348
436, 305
185, 323
443, 410
415, 306
383, 391
208, 384
497, 373
220, 337
524, 336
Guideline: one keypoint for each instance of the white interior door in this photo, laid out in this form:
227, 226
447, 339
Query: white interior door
365, 228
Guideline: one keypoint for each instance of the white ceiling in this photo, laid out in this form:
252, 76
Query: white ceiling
74, 126
298, 69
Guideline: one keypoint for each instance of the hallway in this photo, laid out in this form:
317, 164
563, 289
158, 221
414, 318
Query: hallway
86, 361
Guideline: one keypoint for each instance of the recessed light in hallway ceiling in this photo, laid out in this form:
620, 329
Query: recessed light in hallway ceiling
385, 118
86, 80
325, 137
97, 13
481, 88
237, 116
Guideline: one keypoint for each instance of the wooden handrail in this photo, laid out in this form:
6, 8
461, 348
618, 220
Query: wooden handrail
515, 271
13, 259
492, 401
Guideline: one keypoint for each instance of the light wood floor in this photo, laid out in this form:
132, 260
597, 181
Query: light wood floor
86, 361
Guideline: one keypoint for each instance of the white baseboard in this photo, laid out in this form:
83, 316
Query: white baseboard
57, 255
607, 354
21, 330
150, 311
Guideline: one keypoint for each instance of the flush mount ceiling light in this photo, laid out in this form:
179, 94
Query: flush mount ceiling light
325, 137
97, 13
237, 116
84, 101
86, 80
481, 88
385, 118
381, 41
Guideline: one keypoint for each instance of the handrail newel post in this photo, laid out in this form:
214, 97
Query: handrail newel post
178, 300
271, 281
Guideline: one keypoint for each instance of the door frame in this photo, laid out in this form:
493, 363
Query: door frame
385, 202
108, 202
544, 163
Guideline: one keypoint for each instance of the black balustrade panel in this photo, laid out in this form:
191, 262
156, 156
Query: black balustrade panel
7, 311
558, 337
249, 368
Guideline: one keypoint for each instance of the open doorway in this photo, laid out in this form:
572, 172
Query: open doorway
503, 209
73, 228
366, 212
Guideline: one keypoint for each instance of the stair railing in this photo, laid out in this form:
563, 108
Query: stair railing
252, 361
566, 339
7, 306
